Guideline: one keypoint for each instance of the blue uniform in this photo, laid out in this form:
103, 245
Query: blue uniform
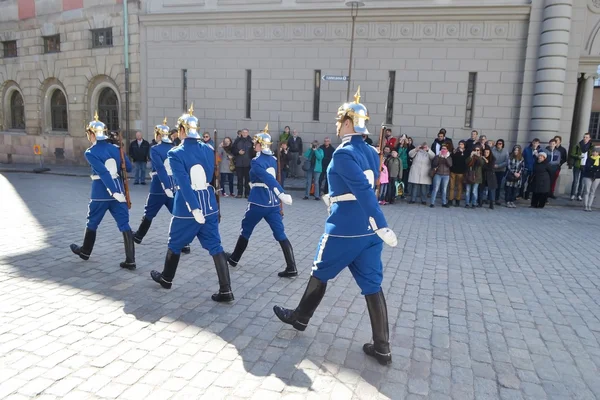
192, 162
350, 238
263, 201
105, 160
162, 178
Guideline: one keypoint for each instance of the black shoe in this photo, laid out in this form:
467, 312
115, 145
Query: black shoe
552, 196
491, 205
84, 252
136, 183
143, 183
157, 277
456, 203
298, 318
290, 262
224, 294
498, 203
305, 198
186, 249
380, 348
316, 198
431, 206
411, 202
138, 236
240, 247
467, 206
423, 203
445, 205
129, 262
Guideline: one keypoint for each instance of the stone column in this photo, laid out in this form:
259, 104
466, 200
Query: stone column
551, 69
585, 107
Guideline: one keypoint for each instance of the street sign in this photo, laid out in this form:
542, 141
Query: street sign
342, 78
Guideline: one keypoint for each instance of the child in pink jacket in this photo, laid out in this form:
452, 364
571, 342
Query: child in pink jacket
384, 183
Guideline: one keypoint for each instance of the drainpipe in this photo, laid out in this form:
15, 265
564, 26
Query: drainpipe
126, 50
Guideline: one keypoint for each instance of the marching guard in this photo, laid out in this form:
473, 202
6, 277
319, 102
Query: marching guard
354, 231
195, 210
263, 202
161, 187
108, 192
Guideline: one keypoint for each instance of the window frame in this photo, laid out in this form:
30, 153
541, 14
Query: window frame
57, 123
108, 34
47, 40
249, 94
389, 105
594, 125
470, 103
13, 116
5, 47
317, 96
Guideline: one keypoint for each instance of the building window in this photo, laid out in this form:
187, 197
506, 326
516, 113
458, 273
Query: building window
52, 44
108, 109
594, 128
184, 73
248, 93
470, 99
58, 111
17, 111
102, 38
389, 107
317, 95
10, 48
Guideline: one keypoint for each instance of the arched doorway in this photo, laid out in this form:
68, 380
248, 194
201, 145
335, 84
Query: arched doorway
108, 109
17, 111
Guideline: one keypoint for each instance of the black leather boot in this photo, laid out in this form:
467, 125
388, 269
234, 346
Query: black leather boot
84, 252
240, 247
166, 277
225, 294
129, 262
186, 249
290, 262
491, 205
380, 348
298, 318
138, 236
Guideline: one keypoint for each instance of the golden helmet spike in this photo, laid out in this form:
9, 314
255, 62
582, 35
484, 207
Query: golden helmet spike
266, 130
191, 109
165, 121
96, 116
357, 96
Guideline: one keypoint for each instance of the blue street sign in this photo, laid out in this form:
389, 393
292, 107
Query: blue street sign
342, 78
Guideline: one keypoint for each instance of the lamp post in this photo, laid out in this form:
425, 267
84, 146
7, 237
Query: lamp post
354, 5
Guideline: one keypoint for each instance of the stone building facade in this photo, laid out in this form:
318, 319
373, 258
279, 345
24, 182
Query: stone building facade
60, 61
512, 69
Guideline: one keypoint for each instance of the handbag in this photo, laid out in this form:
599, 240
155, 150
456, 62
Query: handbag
231, 165
470, 177
432, 172
306, 165
510, 176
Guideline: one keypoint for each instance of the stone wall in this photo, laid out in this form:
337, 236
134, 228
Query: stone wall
79, 70
431, 54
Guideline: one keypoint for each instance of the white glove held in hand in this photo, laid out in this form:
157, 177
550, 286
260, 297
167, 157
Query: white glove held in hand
169, 193
120, 197
285, 198
198, 216
388, 236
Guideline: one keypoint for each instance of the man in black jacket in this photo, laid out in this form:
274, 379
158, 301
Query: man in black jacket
295, 151
242, 150
139, 152
328, 155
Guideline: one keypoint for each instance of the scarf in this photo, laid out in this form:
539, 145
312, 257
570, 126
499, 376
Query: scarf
596, 161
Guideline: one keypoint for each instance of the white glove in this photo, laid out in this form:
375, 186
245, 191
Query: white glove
169, 193
120, 197
388, 236
198, 216
285, 198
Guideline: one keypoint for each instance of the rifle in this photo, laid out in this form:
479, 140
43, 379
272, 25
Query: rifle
124, 171
216, 175
279, 179
381, 146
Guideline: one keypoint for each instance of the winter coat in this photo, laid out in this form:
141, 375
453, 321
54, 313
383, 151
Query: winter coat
541, 178
245, 144
530, 156
318, 158
295, 144
459, 162
590, 170
327, 155
421, 164
489, 175
515, 166
578, 150
139, 152
403, 156
475, 163
224, 155
442, 164
501, 157
394, 167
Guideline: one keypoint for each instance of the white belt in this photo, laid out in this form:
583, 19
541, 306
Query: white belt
97, 177
336, 199
153, 173
262, 185
197, 190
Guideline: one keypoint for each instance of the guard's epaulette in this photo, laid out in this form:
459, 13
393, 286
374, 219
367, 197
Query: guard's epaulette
116, 145
209, 145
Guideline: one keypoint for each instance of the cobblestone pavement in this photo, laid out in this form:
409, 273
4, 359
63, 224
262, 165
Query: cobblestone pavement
483, 304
